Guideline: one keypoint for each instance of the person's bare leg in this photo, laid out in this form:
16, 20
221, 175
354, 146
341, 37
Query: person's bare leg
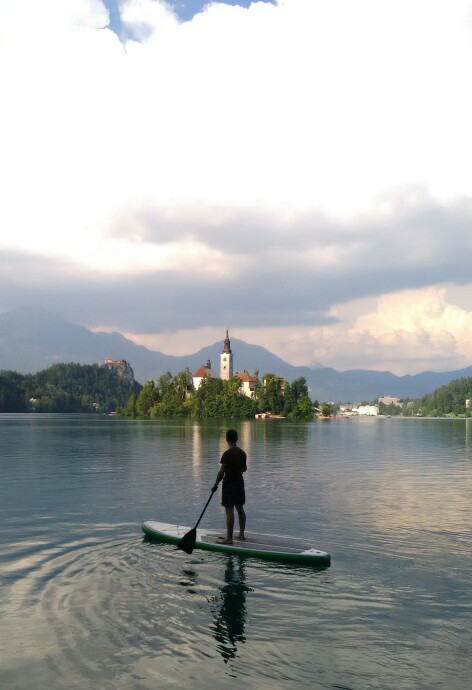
229, 525
242, 522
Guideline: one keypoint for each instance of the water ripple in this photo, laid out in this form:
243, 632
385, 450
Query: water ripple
87, 602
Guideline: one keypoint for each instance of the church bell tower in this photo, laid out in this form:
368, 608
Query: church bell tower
226, 360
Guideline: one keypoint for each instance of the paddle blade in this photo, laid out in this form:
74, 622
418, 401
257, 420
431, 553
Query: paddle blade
187, 543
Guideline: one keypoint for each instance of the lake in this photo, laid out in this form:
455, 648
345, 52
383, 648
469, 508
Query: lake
87, 603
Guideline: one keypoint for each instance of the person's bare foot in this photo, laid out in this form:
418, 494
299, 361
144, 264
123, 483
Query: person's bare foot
224, 540
241, 537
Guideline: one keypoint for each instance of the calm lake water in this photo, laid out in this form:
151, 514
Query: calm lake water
87, 603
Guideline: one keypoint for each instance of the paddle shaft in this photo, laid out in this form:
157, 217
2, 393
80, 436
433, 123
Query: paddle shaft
206, 506
187, 543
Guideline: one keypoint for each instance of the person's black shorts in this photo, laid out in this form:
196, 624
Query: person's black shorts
233, 493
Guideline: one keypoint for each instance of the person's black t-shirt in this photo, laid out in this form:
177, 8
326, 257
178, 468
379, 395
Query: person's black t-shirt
234, 462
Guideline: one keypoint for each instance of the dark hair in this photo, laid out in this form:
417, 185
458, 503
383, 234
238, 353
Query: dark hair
231, 436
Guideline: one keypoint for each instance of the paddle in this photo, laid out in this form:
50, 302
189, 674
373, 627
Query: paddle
187, 543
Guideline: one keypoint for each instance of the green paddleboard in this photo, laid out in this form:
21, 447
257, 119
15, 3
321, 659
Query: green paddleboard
265, 546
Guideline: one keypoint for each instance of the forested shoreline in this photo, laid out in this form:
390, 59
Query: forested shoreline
449, 400
98, 388
66, 388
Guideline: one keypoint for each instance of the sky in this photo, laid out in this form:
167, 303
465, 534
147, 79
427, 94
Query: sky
297, 171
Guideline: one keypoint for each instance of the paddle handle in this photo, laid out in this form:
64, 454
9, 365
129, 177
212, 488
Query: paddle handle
206, 506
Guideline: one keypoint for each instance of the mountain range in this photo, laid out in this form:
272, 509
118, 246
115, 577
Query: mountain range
32, 339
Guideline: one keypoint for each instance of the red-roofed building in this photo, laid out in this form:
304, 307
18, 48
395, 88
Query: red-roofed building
200, 374
247, 383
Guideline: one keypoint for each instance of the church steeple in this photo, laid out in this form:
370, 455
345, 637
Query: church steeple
226, 360
227, 346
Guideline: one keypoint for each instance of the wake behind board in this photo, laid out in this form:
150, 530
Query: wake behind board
256, 545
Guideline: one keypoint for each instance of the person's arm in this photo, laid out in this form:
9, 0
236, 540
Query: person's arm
219, 477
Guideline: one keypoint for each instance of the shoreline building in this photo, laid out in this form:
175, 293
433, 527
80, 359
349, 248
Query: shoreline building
366, 410
389, 400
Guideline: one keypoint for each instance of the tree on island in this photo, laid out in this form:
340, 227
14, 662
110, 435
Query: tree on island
175, 396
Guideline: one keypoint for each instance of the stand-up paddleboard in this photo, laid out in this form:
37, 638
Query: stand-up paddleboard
256, 545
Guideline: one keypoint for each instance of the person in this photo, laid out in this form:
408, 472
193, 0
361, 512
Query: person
233, 464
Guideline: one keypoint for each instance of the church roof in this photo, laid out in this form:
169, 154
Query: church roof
203, 371
244, 376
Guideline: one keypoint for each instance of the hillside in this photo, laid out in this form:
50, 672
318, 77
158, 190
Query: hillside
32, 339
67, 388
450, 399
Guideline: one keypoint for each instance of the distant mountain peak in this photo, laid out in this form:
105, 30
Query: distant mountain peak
316, 365
31, 339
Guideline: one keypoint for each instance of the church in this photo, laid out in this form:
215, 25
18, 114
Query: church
247, 382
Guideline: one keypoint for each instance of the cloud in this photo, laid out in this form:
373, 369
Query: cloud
200, 267
408, 331
405, 332
300, 105
256, 167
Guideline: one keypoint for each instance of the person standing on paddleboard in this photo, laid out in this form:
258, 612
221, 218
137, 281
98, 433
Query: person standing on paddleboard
233, 464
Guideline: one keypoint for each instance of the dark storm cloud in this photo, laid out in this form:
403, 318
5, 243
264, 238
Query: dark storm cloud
156, 302
288, 272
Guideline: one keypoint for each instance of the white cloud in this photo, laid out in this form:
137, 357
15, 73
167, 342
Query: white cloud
307, 104
329, 136
405, 332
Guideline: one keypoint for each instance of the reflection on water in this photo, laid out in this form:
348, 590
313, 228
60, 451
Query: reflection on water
230, 612
87, 602
228, 605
